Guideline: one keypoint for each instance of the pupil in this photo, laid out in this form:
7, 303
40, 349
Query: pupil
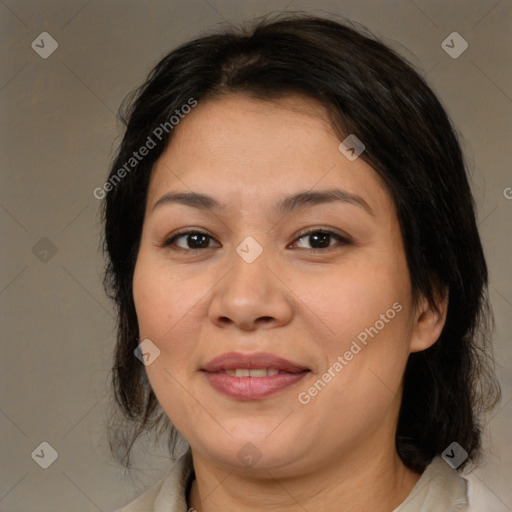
324, 237
195, 238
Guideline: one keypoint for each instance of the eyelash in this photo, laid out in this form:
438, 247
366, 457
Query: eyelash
341, 239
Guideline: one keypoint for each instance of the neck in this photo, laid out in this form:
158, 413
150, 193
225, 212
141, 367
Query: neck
379, 481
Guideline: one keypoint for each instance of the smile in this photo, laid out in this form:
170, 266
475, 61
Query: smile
256, 372
252, 376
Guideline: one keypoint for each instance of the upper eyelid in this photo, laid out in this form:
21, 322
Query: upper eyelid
329, 231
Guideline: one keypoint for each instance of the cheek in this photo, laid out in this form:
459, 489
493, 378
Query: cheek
164, 308
352, 298
155, 315
161, 300
367, 312
170, 312
149, 299
358, 388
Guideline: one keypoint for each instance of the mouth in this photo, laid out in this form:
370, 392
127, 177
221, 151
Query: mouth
252, 376
251, 372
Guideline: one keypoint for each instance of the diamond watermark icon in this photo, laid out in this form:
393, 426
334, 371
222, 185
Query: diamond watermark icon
44, 250
44, 45
454, 455
147, 352
454, 45
45, 455
249, 455
351, 147
249, 250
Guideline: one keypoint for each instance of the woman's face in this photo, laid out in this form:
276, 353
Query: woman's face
316, 291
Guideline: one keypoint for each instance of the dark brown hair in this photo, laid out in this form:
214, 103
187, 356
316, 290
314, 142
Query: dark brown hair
373, 93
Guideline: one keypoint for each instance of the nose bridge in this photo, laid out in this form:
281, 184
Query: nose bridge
251, 291
250, 274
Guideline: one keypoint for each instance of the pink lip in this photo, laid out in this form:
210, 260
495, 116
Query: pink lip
233, 360
251, 388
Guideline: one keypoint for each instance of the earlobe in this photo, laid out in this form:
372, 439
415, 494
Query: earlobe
429, 322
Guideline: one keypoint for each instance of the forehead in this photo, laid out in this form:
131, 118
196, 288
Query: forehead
246, 150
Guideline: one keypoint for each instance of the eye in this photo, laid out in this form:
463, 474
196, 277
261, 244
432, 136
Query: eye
193, 240
321, 239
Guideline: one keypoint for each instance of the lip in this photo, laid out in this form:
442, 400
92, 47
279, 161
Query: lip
233, 360
252, 388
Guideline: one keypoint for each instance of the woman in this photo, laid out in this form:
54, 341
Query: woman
300, 283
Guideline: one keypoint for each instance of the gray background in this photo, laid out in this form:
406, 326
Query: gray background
58, 134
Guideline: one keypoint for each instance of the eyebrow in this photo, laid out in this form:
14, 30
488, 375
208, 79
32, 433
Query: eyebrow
290, 203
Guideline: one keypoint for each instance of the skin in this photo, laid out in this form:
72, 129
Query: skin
337, 452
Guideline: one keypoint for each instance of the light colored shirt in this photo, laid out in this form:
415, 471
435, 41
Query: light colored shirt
439, 489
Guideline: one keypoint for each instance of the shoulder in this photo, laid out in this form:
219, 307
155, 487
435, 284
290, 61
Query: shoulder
169, 494
144, 502
439, 488
481, 498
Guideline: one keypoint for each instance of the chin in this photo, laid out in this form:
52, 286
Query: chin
254, 452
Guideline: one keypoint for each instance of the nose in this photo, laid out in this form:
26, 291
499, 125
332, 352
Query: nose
251, 296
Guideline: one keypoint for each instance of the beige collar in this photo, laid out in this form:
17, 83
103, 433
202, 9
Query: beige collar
439, 489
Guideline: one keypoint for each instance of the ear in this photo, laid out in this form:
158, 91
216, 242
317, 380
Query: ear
429, 322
